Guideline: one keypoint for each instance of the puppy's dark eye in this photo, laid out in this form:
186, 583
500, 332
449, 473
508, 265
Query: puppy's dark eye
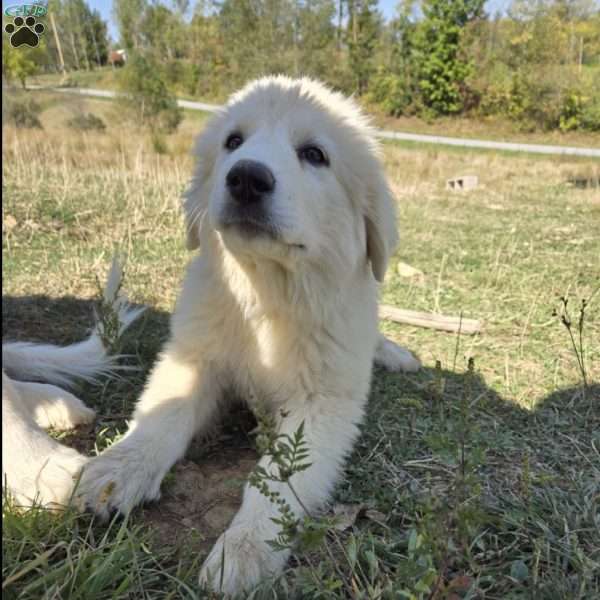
235, 140
313, 155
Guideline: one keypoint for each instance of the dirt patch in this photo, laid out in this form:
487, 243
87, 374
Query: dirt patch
199, 500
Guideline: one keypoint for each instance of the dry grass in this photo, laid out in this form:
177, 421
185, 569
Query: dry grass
489, 481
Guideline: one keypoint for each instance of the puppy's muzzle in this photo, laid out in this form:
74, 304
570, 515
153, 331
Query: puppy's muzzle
250, 182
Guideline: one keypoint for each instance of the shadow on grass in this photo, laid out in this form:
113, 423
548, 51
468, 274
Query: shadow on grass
531, 466
68, 319
203, 492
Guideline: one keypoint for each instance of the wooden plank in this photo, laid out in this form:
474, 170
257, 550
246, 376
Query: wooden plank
429, 320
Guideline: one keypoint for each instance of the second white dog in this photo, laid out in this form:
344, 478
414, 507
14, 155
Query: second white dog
296, 224
35, 467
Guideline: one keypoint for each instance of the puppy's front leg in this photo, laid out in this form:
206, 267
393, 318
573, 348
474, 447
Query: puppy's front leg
179, 399
241, 556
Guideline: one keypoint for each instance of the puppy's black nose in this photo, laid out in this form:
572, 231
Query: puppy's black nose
249, 181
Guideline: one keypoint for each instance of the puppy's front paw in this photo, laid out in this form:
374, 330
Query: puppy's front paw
394, 358
239, 560
117, 480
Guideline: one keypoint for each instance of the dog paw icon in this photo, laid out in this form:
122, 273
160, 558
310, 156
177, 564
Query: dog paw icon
24, 31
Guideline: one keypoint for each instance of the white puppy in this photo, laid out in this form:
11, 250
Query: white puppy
35, 467
296, 223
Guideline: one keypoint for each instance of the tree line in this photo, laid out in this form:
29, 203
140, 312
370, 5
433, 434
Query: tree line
538, 63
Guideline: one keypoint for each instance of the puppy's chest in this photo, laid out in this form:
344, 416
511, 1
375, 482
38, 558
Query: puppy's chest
273, 363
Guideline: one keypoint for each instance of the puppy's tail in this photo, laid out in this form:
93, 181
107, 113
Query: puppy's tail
85, 360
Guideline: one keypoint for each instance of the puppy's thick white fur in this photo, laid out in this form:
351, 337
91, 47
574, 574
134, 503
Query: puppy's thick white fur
35, 467
288, 322
393, 357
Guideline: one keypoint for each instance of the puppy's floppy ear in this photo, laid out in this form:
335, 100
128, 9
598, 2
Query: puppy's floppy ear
380, 223
191, 213
195, 205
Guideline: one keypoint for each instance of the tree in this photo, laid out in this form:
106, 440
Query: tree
364, 25
129, 15
21, 63
443, 68
315, 38
146, 94
83, 33
394, 85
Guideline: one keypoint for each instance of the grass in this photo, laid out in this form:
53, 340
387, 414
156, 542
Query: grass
486, 128
478, 482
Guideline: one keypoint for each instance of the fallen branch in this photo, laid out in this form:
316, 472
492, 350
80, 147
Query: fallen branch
429, 320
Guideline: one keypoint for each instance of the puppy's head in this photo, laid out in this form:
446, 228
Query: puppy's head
289, 171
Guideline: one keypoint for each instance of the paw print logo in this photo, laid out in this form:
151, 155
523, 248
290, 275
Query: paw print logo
24, 31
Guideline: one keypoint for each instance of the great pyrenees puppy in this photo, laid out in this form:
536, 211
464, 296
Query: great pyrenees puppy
296, 223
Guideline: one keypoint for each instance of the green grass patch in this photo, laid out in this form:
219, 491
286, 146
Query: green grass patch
478, 477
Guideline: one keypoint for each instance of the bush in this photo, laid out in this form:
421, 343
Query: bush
146, 94
590, 115
182, 75
542, 100
391, 92
159, 144
86, 122
580, 112
23, 114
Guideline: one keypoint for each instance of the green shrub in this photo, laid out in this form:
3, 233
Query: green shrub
590, 114
541, 100
391, 92
159, 144
86, 122
23, 114
182, 75
146, 94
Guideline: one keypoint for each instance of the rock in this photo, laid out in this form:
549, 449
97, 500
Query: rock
9, 223
408, 272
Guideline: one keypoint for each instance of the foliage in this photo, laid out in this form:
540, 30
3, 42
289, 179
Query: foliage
129, 15
537, 64
146, 94
394, 84
441, 66
22, 112
18, 63
86, 122
82, 32
580, 111
590, 114
363, 29
391, 92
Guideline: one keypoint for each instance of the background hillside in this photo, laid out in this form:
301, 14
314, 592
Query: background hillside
535, 66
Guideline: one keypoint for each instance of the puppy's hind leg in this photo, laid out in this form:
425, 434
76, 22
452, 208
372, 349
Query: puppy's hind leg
393, 357
35, 467
53, 407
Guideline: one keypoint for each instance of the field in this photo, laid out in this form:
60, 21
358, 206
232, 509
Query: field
478, 477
